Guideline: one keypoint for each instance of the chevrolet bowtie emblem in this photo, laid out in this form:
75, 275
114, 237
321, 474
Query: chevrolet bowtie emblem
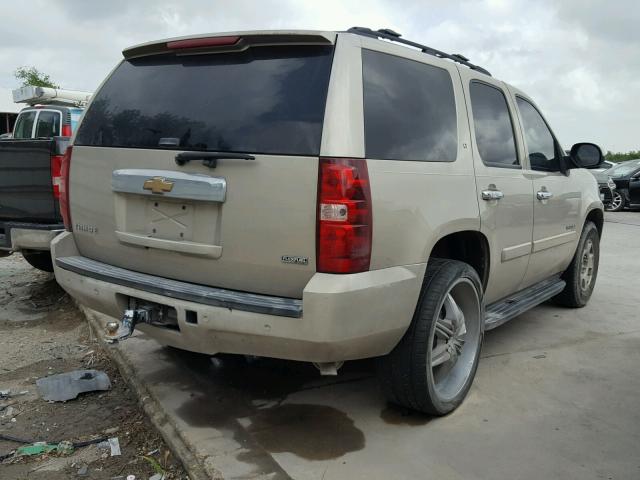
158, 185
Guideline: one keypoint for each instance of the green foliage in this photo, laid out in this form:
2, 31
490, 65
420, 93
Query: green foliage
157, 468
621, 157
32, 76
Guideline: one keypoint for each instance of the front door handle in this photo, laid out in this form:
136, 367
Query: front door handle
492, 195
544, 195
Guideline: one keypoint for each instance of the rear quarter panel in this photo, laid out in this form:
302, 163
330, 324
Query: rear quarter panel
415, 203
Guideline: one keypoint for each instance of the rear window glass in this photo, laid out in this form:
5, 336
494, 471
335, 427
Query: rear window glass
409, 110
48, 125
24, 125
262, 100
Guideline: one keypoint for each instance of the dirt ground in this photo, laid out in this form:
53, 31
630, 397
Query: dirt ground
42, 333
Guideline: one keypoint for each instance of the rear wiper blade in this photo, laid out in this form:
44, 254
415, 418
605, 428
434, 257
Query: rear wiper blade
210, 159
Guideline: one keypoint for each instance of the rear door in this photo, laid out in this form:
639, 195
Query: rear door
503, 190
235, 222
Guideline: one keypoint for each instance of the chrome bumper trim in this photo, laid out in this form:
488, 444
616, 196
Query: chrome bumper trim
217, 297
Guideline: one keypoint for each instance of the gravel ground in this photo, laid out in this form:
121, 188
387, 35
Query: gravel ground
42, 333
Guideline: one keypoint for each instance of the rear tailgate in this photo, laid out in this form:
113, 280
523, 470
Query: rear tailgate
26, 191
237, 223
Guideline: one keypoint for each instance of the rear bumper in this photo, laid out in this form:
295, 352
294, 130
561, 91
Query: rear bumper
15, 236
340, 317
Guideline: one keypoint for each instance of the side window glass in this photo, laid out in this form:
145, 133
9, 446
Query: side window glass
409, 110
24, 125
48, 125
493, 129
540, 143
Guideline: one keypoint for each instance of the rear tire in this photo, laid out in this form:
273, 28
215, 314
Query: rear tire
433, 366
583, 270
39, 259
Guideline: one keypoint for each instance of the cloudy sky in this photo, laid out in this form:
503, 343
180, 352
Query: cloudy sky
580, 60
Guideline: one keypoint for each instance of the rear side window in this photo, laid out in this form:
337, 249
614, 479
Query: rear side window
24, 125
540, 143
409, 110
261, 100
48, 124
494, 132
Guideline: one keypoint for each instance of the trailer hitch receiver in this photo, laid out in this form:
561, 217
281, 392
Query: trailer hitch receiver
116, 331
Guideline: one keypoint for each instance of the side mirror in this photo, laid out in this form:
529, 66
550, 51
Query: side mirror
586, 155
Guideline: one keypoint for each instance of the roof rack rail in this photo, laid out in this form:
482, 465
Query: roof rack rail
389, 34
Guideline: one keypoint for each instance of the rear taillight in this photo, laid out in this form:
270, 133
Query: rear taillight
63, 188
56, 174
66, 130
344, 216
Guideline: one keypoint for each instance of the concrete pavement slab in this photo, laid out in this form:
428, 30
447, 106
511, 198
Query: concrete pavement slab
555, 396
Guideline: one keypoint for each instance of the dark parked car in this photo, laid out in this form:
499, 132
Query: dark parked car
626, 176
607, 188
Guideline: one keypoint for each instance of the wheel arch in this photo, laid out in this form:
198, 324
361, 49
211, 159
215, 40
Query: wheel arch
469, 246
595, 215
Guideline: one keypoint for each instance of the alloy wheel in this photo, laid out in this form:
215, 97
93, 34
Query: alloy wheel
455, 339
587, 263
616, 201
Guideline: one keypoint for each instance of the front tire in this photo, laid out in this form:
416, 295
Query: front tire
433, 366
39, 259
583, 270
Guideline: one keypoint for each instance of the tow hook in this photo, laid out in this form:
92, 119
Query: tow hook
116, 331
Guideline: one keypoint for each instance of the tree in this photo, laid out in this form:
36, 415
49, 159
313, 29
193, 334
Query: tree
32, 76
621, 157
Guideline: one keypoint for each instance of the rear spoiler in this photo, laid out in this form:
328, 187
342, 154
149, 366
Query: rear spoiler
228, 42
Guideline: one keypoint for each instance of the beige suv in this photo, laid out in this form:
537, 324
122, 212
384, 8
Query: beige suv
323, 197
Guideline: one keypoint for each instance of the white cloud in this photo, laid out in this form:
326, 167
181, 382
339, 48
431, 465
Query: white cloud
579, 60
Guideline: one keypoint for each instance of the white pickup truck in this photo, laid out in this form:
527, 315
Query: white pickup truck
30, 171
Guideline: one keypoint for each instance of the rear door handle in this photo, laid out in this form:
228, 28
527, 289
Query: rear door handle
492, 195
544, 195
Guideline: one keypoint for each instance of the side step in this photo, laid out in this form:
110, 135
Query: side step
500, 312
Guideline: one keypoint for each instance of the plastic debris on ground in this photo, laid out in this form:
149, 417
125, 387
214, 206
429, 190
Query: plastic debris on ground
115, 446
31, 448
40, 448
112, 444
5, 394
8, 412
67, 386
